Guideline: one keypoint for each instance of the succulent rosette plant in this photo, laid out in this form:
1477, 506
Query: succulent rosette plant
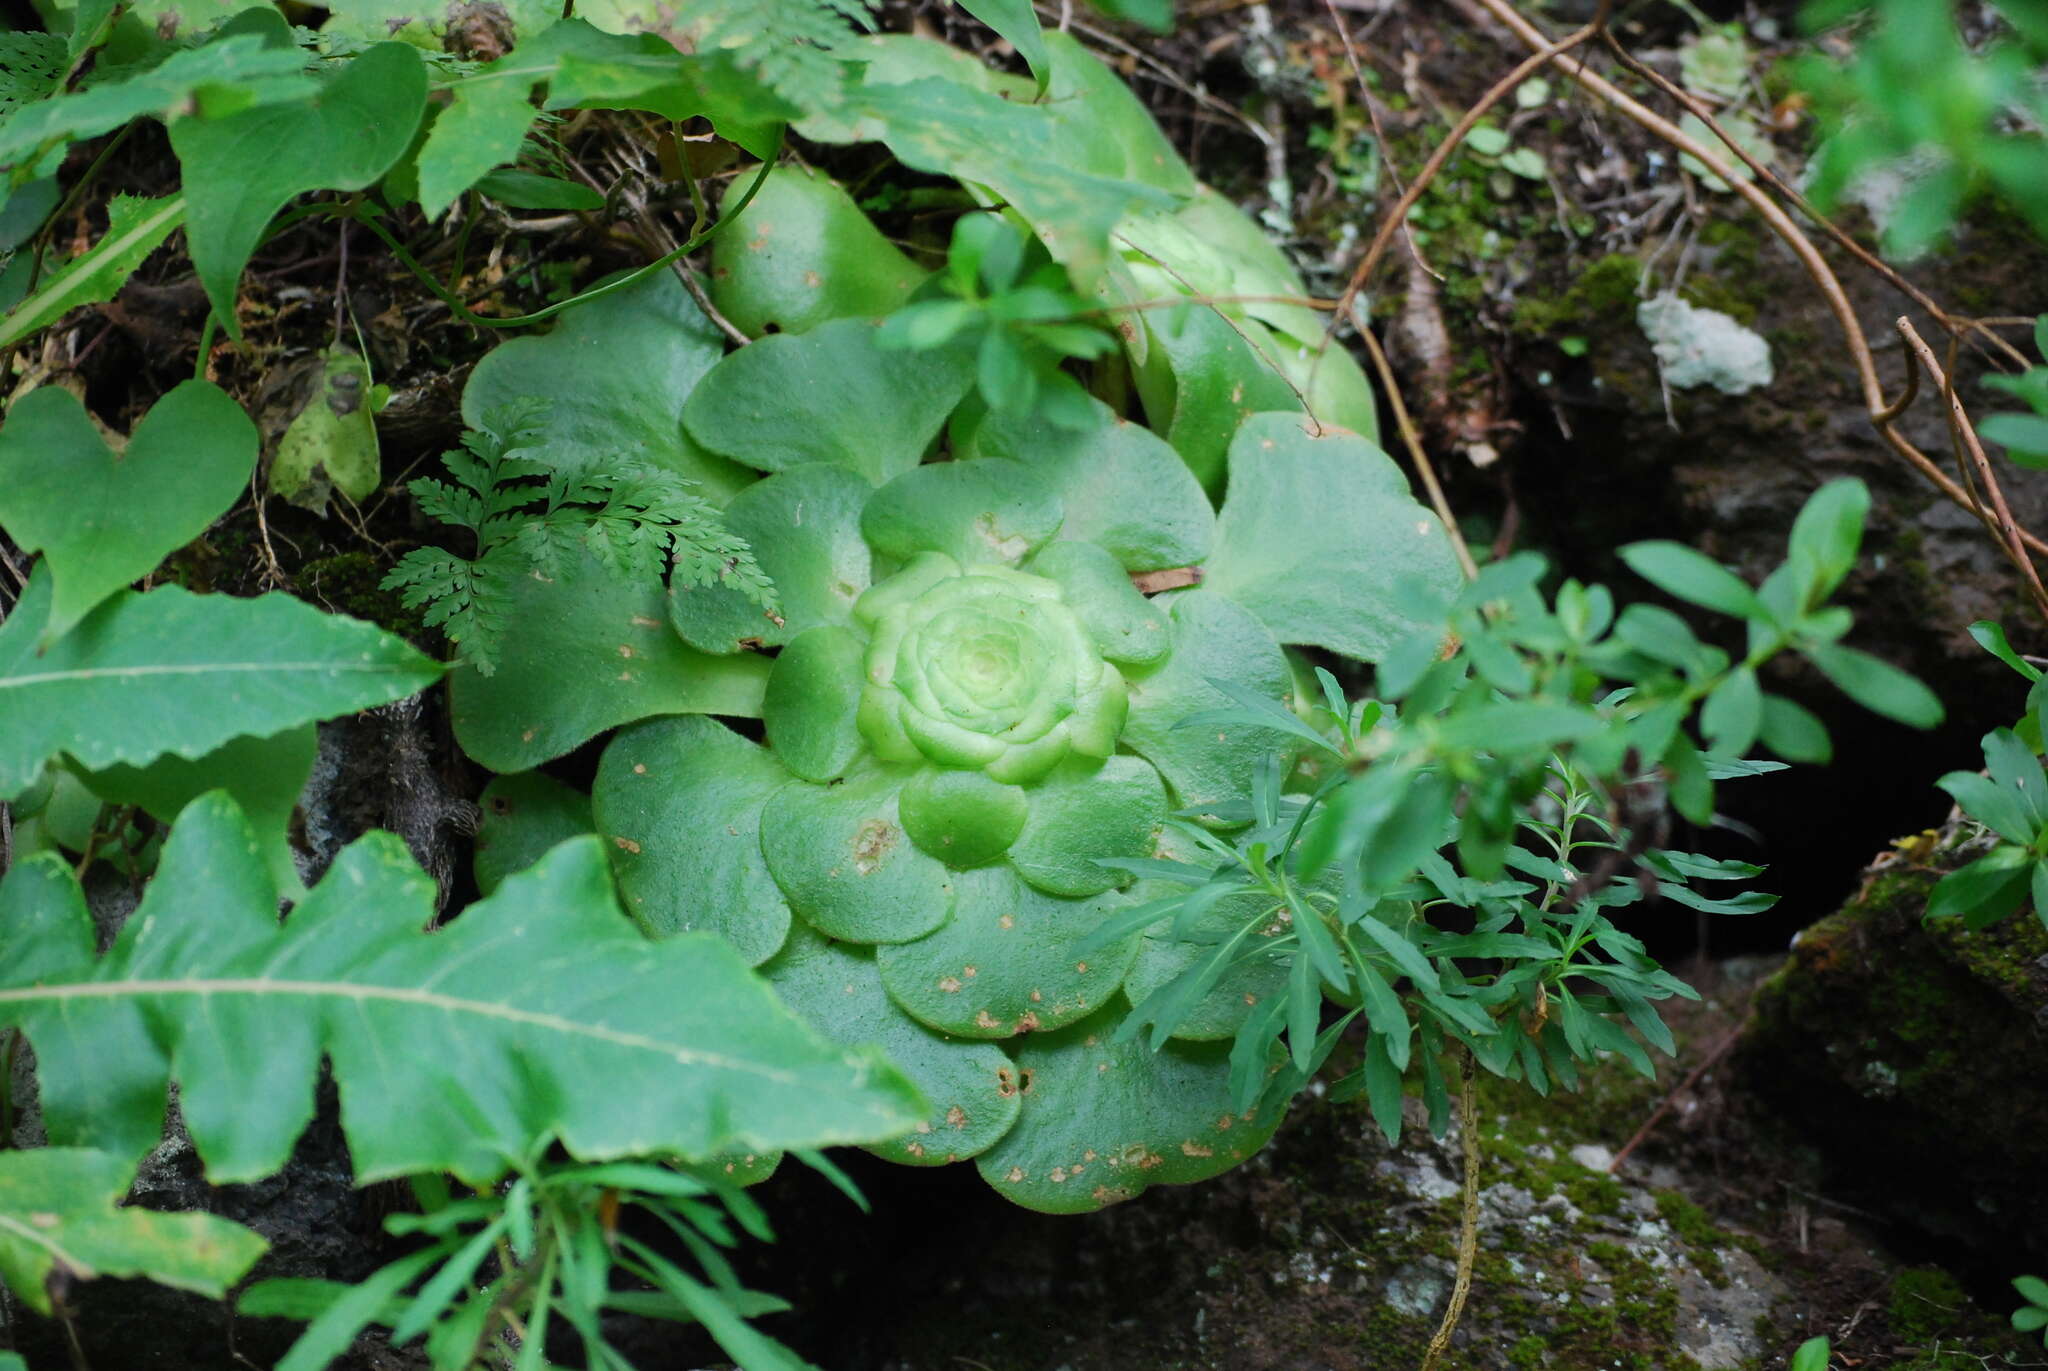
979, 694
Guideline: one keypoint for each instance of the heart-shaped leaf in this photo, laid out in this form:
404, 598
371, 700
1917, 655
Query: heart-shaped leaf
104, 519
241, 170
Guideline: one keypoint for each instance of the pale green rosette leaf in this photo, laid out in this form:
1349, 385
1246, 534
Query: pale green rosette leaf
841, 856
1006, 963
804, 528
983, 669
585, 650
1084, 812
1123, 487
974, 512
679, 803
615, 372
971, 1086
1318, 533
1105, 1120
523, 818
1127, 627
1213, 639
962, 817
813, 695
804, 254
829, 395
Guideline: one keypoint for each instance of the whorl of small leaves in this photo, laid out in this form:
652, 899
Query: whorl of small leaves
526, 516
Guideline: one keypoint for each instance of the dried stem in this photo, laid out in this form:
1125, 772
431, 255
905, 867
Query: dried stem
1468, 1226
1411, 440
1961, 429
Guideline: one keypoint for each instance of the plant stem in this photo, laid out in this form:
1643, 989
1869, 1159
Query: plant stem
1468, 1227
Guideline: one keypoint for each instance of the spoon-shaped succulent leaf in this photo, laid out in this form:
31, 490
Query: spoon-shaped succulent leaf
804, 254
584, 650
615, 373
813, 698
1123, 487
1085, 811
829, 395
804, 527
1126, 627
1318, 533
962, 817
1006, 964
972, 1087
1205, 375
525, 816
841, 856
974, 512
1244, 984
1213, 639
679, 802
1105, 1119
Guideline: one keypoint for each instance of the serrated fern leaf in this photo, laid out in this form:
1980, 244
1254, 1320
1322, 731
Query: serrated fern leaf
58, 1213
530, 517
790, 44
541, 1015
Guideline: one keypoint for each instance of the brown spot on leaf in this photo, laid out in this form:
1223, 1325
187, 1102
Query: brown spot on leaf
1006, 1081
527, 736
950, 984
625, 649
1223, 1124
957, 1117
627, 845
1007, 921
1027, 1023
984, 1019
642, 621
871, 844
1195, 1149
1172, 578
1016, 1174
639, 768
1056, 1175
813, 280
969, 972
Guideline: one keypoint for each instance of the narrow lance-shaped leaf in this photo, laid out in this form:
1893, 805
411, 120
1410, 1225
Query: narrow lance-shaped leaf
134, 229
173, 673
550, 1018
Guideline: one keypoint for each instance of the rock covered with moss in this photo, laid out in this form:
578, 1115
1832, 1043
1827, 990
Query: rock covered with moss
1910, 1052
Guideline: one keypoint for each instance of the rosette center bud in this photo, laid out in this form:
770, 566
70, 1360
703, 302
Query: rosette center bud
983, 668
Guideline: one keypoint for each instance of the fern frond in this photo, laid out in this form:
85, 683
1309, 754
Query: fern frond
790, 44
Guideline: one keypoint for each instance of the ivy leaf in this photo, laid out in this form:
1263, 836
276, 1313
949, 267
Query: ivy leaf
553, 1019
1318, 532
241, 170
173, 673
135, 228
60, 1211
103, 519
805, 254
